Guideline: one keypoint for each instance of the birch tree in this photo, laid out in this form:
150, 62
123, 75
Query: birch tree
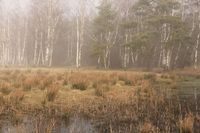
53, 17
105, 33
80, 28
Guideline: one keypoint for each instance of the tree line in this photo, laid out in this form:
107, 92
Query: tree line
114, 34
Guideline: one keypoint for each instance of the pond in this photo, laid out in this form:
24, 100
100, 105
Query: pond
31, 125
187, 94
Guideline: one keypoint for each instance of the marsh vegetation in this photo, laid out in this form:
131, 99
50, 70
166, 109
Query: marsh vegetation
91, 101
57, 61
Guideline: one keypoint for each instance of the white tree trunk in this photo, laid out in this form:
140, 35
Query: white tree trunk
125, 52
22, 60
36, 47
77, 43
80, 25
196, 52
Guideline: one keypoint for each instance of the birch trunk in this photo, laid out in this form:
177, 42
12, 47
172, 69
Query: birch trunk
41, 54
36, 47
22, 60
196, 52
49, 29
80, 25
125, 52
77, 43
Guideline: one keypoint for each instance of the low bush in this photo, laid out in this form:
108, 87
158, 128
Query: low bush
27, 86
65, 82
101, 90
126, 80
186, 125
5, 88
150, 76
45, 84
147, 128
17, 96
164, 76
52, 93
80, 86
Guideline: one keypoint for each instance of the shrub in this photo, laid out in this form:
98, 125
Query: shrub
42, 86
48, 82
59, 77
7, 72
17, 96
52, 93
114, 81
5, 88
79, 86
174, 77
174, 85
121, 78
105, 81
28, 71
36, 80
186, 125
197, 76
150, 76
39, 71
94, 85
147, 128
164, 76
27, 86
65, 82
126, 80
66, 117
101, 90
16, 72
1, 99
16, 84
45, 84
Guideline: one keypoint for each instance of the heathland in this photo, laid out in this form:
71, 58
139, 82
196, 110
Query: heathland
99, 101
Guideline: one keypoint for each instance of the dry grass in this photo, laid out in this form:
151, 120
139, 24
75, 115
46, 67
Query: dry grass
186, 125
5, 88
17, 96
27, 84
147, 128
101, 90
52, 93
113, 100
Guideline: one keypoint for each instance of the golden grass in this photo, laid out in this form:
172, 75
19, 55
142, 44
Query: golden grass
52, 93
5, 88
186, 125
147, 128
17, 96
109, 98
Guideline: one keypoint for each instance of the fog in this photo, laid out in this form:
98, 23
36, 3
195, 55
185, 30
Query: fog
14, 6
99, 33
24, 6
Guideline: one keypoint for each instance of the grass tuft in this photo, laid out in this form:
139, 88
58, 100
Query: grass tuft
150, 76
101, 90
186, 125
52, 93
17, 96
5, 88
79, 86
147, 128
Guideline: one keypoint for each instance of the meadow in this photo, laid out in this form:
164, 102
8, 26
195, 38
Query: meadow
97, 101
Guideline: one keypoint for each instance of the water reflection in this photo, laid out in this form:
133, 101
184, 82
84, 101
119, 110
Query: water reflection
31, 125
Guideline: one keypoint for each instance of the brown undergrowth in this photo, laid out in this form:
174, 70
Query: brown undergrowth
115, 101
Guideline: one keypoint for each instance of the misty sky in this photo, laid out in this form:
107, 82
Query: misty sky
24, 5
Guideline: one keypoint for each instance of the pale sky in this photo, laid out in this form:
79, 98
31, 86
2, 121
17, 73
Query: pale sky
21, 6
24, 5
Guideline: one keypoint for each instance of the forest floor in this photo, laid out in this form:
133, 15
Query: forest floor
113, 101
